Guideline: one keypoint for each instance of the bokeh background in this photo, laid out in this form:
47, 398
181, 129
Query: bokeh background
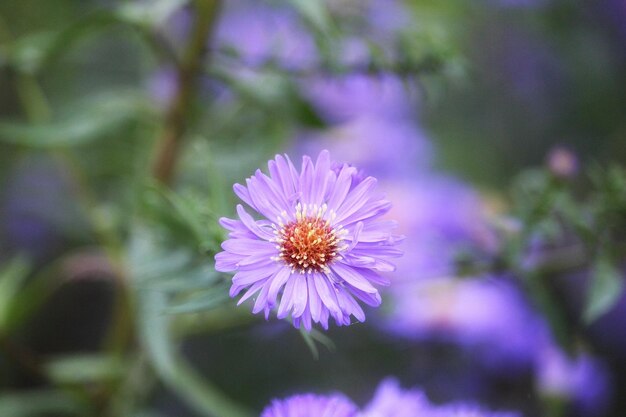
125, 123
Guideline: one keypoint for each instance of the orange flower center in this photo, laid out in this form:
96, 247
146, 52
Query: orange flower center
308, 244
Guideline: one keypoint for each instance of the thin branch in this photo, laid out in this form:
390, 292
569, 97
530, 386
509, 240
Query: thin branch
188, 73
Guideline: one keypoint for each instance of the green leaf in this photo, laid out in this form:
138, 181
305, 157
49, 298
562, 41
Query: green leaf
79, 369
185, 216
606, 288
201, 301
171, 368
40, 403
12, 277
35, 52
155, 327
315, 13
152, 13
97, 119
313, 337
27, 53
154, 331
197, 279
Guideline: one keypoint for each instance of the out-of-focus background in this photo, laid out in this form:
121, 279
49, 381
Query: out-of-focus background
124, 124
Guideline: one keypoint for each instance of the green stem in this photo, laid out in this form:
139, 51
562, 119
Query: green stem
189, 71
35, 104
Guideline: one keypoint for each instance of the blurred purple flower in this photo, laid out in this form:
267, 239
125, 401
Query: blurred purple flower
360, 95
614, 12
37, 208
583, 381
487, 316
310, 405
320, 242
388, 16
163, 85
603, 330
261, 32
562, 162
392, 401
373, 144
441, 216
471, 410
177, 28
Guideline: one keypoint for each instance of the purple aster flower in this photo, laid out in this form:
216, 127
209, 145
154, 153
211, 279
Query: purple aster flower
319, 247
346, 98
260, 32
471, 410
311, 405
442, 215
583, 380
487, 316
373, 144
391, 400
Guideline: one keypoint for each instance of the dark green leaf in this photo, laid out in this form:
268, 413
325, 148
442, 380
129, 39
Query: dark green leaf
97, 119
315, 13
202, 301
12, 277
152, 13
180, 377
79, 369
313, 337
40, 403
35, 52
606, 288
185, 217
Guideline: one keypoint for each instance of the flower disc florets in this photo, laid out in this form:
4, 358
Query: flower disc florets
318, 245
309, 243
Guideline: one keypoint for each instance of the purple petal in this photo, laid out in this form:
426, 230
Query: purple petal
326, 292
248, 246
342, 187
243, 193
306, 179
321, 178
226, 262
300, 295
277, 282
261, 301
252, 226
352, 277
245, 278
281, 172
355, 199
315, 303
253, 290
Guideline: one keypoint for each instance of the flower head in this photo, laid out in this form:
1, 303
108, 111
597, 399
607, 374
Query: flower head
583, 380
311, 405
390, 400
487, 316
318, 246
471, 410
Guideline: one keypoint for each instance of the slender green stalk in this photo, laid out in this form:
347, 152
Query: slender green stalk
189, 71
